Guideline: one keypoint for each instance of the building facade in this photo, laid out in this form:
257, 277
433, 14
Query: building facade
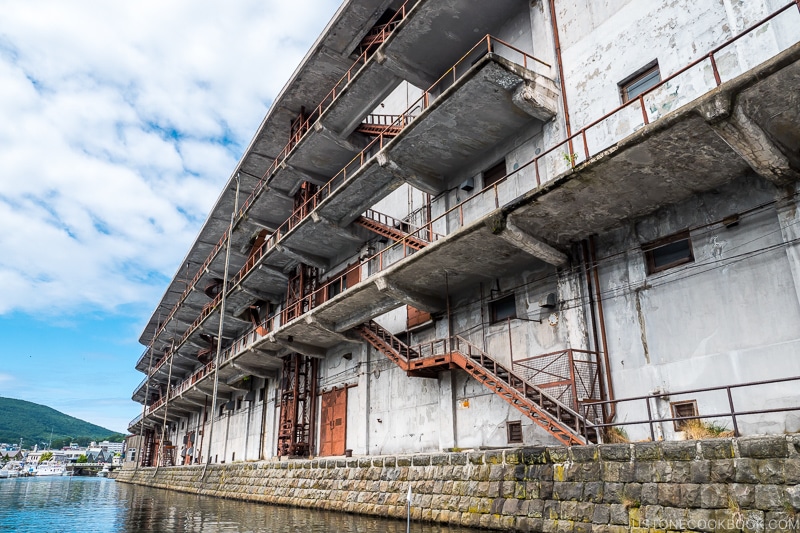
471, 224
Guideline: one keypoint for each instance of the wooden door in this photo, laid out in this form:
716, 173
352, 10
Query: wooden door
333, 422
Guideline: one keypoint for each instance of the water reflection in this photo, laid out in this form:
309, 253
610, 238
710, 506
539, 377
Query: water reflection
56, 505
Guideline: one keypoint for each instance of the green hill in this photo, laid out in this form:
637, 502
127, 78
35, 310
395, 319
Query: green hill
34, 423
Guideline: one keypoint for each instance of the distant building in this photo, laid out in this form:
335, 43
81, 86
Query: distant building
469, 224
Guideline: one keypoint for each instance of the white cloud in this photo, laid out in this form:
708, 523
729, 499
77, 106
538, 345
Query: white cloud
121, 121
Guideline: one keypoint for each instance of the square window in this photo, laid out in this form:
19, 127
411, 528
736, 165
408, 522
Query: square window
669, 252
683, 409
503, 308
514, 432
639, 82
494, 174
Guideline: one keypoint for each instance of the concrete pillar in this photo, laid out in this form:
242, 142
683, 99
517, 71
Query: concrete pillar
788, 212
447, 411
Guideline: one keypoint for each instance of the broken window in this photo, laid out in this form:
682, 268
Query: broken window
686, 408
668, 252
503, 308
514, 432
494, 174
639, 82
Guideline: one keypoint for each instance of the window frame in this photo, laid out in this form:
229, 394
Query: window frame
493, 318
680, 425
652, 247
514, 433
637, 77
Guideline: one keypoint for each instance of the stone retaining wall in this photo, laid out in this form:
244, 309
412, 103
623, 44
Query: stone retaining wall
746, 484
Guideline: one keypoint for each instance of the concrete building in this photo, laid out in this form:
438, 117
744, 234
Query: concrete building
471, 224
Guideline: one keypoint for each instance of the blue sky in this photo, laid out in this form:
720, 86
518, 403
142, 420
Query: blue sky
120, 123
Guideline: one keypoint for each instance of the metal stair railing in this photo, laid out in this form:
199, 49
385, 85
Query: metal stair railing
564, 423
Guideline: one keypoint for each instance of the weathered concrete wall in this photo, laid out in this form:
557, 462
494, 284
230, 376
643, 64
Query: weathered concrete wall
712, 485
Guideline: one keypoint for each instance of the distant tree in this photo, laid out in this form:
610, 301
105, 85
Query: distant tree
82, 459
46, 456
116, 437
4, 459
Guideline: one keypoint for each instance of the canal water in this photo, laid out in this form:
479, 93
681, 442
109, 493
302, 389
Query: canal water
99, 505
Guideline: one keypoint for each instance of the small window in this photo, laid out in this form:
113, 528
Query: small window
261, 393
668, 252
238, 404
514, 432
683, 409
642, 80
221, 409
494, 174
503, 308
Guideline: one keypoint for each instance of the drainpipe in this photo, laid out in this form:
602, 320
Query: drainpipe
221, 324
261, 455
166, 405
601, 322
557, 45
144, 406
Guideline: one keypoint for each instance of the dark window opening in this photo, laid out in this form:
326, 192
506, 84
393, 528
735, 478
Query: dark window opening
669, 252
514, 432
494, 174
647, 77
221, 409
262, 393
503, 308
238, 404
683, 409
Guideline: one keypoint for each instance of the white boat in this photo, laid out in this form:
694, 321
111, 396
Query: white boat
3, 473
49, 468
104, 472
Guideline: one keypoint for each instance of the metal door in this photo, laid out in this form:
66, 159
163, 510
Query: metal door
333, 422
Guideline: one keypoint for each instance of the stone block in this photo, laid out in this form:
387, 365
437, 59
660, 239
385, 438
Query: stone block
494, 457
647, 451
476, 458
649, 494
763, 447
545, 490
617, 472
669, 494
601, 513
746, 470
679, 450
690, 494
769, 497
716, 449
771, 470
534, 455
593, 491
541, 472
551, 510
512, 457
567, 490
458, 458
700, 471
568, 511
744, 495
722, 471
558, 454
535, 508
613, 492
644, 472
582, 527
714, 496
584, 454
528, 524
404, 460
781, 521
614, 452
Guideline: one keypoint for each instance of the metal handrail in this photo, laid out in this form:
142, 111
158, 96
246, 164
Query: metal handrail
733, 413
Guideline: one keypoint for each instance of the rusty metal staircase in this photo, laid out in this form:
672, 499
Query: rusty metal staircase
426, 360
390, 228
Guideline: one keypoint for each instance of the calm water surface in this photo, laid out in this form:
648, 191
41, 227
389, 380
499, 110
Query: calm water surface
89, 505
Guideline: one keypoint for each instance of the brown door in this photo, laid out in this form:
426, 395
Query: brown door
334, 422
